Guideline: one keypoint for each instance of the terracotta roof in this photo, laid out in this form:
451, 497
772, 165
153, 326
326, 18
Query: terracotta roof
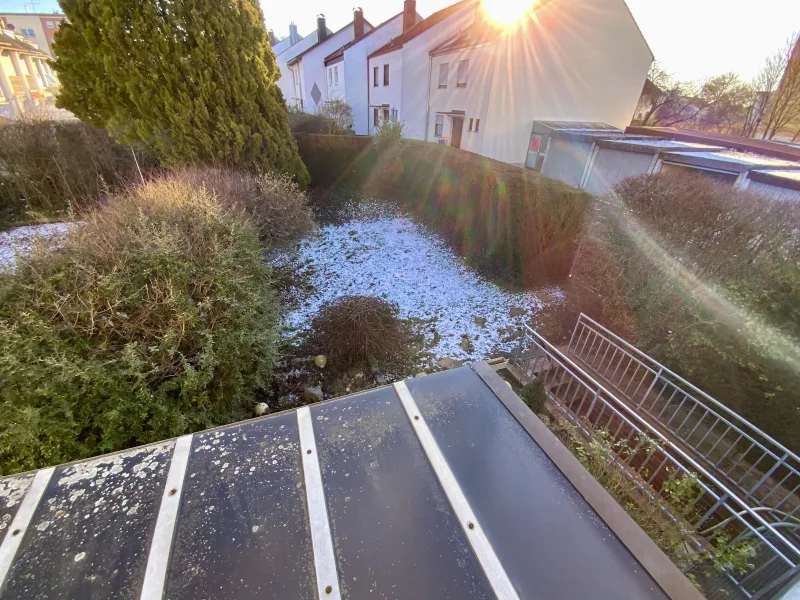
737, 142
338, 54
421, 27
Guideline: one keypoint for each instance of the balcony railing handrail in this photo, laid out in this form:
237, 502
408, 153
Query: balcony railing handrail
744, 422
644, 425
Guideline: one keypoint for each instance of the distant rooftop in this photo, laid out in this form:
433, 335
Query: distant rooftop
787, 179
730, 161
765, 147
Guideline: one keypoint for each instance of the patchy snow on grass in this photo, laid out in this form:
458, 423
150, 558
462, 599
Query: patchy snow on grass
21, 240
388, 255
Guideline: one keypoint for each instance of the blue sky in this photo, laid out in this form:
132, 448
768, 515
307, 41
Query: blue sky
691, 38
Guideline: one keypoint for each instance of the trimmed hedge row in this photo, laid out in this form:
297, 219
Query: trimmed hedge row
511, 222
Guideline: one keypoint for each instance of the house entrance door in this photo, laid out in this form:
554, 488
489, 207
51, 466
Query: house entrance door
458, 128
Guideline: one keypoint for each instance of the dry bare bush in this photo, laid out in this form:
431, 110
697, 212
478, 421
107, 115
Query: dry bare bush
353, 328
276, 204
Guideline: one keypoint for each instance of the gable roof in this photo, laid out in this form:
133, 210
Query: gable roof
422, 27
474, 36
318, 42
339, 54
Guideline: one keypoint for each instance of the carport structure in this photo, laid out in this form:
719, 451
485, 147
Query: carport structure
444, 486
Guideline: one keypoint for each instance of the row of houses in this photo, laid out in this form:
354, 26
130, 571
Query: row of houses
458, 78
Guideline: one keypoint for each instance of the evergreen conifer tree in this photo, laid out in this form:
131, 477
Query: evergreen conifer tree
194, 80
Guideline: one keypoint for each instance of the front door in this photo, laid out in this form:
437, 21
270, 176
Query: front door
458, 127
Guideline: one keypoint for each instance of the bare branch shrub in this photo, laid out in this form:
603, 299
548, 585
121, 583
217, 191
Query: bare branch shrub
276, 204
354, 328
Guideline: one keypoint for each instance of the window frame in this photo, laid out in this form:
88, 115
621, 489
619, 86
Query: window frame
375, 76
459, 83
385, 74
50, 24
375, 117
444, 69
336, 74
471, 121
477, 124
438, 128
330, 76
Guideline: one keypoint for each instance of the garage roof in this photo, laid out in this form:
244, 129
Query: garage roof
444, 486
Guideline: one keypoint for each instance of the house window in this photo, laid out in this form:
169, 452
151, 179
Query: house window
462, 74
28, 33
444, 71
49, 24
385, 74
375, 77
477, 124
330, 76
375, 117
336, 75
470, 124
393, 116
385, 114
438, 129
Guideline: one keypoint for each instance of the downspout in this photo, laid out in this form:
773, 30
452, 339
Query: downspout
369, 98
428, 103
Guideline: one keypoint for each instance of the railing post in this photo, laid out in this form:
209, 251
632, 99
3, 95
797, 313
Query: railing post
650, 389
572, 337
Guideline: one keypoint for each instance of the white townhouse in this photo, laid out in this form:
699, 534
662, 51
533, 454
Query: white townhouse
461, 79
286, 50
347, 65
400, 70
313, 83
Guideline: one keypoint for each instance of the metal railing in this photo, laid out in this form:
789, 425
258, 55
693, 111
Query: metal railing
762, 470
650, 460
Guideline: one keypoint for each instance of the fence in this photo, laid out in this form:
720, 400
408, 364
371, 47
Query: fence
650, 460
763, 471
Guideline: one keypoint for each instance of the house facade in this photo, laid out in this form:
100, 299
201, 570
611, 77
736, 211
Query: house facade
351, 60
26, 79
488, 84
36, 28
313, 83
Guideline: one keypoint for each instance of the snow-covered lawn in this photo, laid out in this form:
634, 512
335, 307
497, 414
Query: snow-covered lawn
390, 256
21, 240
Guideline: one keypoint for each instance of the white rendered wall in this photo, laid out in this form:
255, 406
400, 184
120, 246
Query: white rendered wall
285, 82
386, 94
358, 79
579, 60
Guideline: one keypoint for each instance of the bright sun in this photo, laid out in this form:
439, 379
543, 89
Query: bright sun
507, 12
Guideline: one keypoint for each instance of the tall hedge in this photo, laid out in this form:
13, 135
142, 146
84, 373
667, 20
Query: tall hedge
194, 80
514, 223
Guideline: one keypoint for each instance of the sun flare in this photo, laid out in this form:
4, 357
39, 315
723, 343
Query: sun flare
507, 12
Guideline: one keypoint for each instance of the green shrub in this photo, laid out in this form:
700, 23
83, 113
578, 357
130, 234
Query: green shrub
155, 317
513, 223
712, 276
534, 395
303, 122
50, 167
273, 202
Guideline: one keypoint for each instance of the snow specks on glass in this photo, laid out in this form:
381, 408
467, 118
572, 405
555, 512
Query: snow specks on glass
22, 239
386, 254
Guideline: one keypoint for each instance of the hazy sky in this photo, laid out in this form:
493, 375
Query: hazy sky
691, 38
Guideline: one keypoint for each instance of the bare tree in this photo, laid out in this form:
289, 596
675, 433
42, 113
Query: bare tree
764, 84
659, 94
784, 105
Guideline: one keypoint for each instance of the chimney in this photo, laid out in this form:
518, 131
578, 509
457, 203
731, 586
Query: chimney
409, 14
322, 30
358, 22
294, 37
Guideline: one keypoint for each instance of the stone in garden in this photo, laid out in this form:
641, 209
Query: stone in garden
262, 408
320, 361
313, 394
449, 363
516, 311
479, 321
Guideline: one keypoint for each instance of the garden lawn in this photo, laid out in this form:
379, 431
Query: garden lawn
382, 252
